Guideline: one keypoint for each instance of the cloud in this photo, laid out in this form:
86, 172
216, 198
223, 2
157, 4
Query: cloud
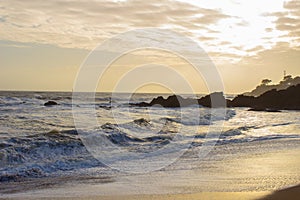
269, 29
288, 21
256, 49
280, 57
206, 38
266, 63
81, 24
293, 6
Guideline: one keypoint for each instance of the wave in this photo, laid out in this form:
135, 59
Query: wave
52, 97
123, 138
236, 131
206, 118
43, 154
142, 127
10, 101
115, 135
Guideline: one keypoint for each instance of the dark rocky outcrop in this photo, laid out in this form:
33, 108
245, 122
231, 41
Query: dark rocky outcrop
50, 103
270, 101
288, 99
214, 100
242, 101
178, 101
173, 101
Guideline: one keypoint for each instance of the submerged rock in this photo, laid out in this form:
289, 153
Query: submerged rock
142, 122
105, 107
264, 109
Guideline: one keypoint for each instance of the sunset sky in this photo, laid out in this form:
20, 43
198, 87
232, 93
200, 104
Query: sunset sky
43, 43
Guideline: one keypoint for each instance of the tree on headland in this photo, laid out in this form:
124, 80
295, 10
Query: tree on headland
266, 81
287, 78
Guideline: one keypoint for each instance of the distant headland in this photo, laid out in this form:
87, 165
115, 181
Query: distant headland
266, 85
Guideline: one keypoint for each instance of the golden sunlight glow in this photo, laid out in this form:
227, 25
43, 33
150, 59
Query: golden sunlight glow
44, 44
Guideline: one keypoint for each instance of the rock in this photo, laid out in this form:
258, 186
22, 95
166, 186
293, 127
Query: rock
214, 100
172, 101
142, 122
142, 104
175, 101
157, 101
105, 107
242, 101
50, 103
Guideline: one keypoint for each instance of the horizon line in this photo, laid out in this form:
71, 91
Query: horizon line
62, 91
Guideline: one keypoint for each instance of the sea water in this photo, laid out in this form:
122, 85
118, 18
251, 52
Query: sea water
39, 142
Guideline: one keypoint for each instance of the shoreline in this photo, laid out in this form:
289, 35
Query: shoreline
290, 193
141, 186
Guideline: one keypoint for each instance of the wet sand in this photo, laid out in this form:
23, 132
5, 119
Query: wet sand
204, 195
291, 193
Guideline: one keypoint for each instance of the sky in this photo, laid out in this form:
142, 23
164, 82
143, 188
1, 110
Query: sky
44, 43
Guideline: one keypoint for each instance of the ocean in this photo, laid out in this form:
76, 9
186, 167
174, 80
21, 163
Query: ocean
179, 146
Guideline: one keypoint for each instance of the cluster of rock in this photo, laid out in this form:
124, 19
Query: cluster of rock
272, 101
216, 99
